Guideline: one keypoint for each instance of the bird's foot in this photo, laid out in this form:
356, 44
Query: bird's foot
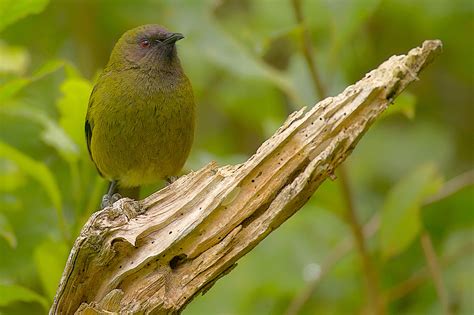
108, 200
170, 180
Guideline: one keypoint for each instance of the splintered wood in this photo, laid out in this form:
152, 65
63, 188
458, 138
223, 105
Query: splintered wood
155, 255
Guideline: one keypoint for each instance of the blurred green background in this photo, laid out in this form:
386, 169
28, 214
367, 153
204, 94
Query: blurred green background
411, 171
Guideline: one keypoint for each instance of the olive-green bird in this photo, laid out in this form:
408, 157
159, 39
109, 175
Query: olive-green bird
140, 120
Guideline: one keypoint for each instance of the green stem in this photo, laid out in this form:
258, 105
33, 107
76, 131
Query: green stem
370, 273
308, 50
435, 271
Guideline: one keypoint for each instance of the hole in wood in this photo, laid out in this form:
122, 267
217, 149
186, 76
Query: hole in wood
177, 260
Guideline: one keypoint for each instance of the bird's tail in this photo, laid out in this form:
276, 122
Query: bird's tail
130, 192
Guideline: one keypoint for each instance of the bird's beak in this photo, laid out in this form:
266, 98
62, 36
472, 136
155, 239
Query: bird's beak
173, 38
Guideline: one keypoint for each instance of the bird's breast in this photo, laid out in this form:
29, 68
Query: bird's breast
145, 134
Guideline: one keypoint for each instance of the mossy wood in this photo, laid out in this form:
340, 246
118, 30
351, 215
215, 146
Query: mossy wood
155, 255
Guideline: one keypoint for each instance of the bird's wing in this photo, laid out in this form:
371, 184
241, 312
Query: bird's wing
89, 127
88, 130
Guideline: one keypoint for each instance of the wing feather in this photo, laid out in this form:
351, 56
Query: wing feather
89, 127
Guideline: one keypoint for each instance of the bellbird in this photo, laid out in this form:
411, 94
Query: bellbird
140, 120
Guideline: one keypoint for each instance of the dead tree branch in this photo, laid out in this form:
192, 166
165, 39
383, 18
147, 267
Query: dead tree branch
155, 255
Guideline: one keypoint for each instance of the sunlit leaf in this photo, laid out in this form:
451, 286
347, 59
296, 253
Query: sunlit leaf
401, 221
72, 107
13, 10
11, 88
6, 231
50, 258
13, 59
10, 293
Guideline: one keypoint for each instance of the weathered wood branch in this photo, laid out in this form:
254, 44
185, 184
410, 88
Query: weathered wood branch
155, 255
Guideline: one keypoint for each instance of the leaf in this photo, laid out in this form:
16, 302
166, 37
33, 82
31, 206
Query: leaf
52, 134
48, 68
238, 99
232, 56
403, 104
401, 221
11, 88
10, 293
6, 231
13, 59
13, 10
72, 72
10, 202
328, 196
225, 51
11, 177
72, 108
279, 48
50, 258
348, 17
38, 171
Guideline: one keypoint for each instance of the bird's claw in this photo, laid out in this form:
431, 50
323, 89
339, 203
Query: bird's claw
108, 201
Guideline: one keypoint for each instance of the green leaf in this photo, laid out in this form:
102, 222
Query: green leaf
348, 17
52, 134
279, 48
38, 171
225, 51
232, 56
50, 258
403, 104
13, 59
48, 68
72, 108
238, 98
401, 211
6, 231
13, 10
11, 88
11, 177
72, 72
328, 196
10, 293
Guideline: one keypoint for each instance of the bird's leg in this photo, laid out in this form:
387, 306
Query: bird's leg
111, 196
170, 180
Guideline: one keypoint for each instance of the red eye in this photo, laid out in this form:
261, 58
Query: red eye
145, 43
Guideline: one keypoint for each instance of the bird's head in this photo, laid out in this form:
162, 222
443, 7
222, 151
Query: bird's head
148, 46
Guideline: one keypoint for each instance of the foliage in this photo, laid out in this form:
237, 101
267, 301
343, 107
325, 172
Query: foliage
246, 64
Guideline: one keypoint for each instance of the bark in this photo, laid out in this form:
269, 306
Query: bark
155, 255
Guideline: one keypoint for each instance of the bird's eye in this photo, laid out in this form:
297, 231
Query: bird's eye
145, 43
